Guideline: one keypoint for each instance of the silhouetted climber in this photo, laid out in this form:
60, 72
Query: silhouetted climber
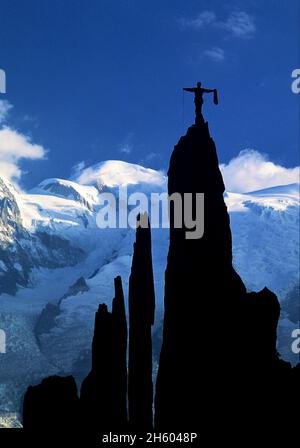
141, 318
199, 91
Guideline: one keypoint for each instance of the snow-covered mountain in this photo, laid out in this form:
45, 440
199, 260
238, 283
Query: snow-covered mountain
265, 229
32, 235
57, 265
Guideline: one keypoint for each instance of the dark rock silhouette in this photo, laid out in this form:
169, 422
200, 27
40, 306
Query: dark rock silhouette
201, 289
219, 342
263, 310
96, 389
52, 406
141, 318
103, 392
119, 359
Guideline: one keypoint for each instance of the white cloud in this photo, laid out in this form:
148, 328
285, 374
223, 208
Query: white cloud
203, 19
149, 158
152, 155
77, 169
5, 107
126, 148
251, 171
15, 146
239, 24
215, 53
114, 173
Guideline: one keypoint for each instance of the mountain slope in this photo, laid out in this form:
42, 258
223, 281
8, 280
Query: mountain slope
50, 244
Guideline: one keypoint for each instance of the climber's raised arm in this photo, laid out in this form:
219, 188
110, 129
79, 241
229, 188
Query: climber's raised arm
208, 90
189, 89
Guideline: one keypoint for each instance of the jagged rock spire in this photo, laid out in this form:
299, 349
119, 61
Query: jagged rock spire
103, 392
219, 366
201, 288
141, 319
119, 358
96, 389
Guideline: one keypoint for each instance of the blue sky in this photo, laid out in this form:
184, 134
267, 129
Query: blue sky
102, 79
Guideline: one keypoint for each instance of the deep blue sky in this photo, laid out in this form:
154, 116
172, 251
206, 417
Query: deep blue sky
88, 77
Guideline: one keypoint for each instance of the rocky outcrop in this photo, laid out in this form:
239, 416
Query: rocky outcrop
46, 320
96, 389
52, 405
15, 263
219, 358
119, 358
78, 287
104, 392
141, 318
202, 288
